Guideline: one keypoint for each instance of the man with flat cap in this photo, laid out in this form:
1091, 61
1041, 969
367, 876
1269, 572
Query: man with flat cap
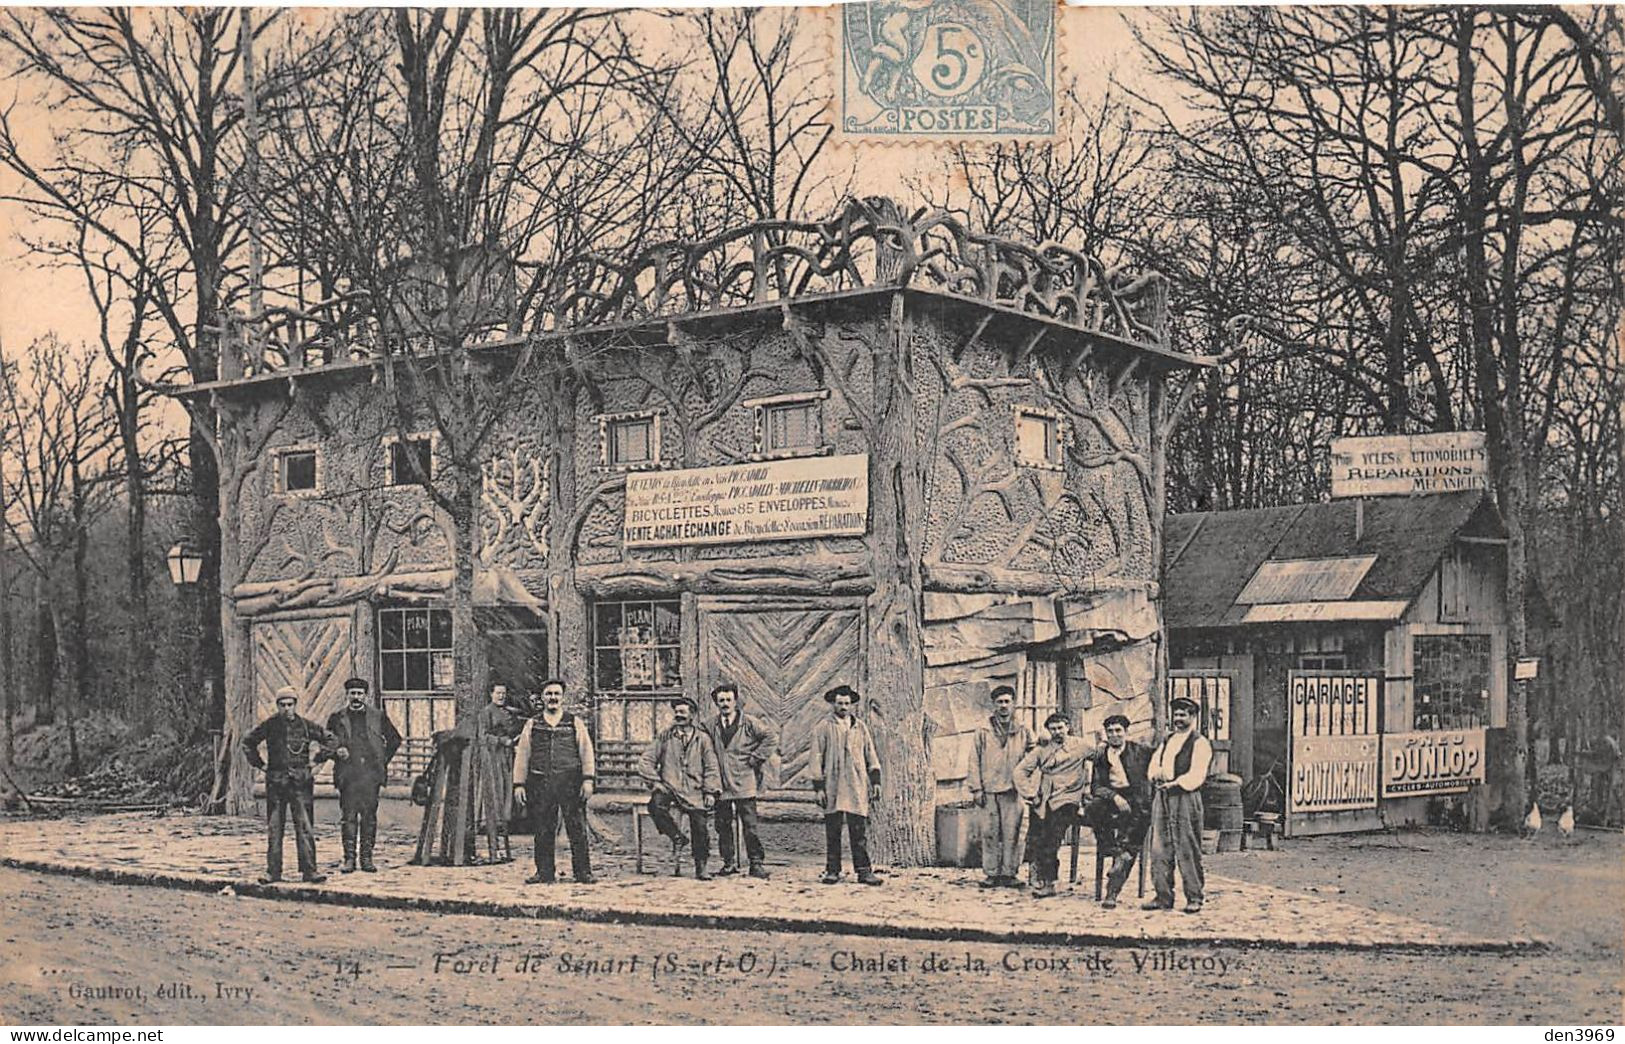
680, 767
289, 783
845, 771
555, 763
996, 750
745, 745
1051, 778
1119, 809
1177, 771
367, 739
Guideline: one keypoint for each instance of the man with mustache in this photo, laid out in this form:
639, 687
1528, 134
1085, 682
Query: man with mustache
367, 739
554, 762
680, 767
289, 784
1177, 771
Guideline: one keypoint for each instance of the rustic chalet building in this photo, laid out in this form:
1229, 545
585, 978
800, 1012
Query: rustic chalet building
875, 450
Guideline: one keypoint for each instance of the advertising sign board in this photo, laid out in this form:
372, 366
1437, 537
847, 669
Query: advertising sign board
1445, 762
1332, 773
743, 503
1384, 465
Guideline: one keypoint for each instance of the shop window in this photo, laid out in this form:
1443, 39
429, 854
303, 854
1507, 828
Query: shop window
629, 440
296, 470
636, 648
1451, 681
1040, 436
415, 680
411, 459
789, 425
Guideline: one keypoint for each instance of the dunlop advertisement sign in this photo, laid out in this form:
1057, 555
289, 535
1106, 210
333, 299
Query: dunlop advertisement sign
741, 503
1416, 763
1332, 773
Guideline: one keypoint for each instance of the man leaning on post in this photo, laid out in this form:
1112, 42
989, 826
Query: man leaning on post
1177, 771
995, 752
289, 782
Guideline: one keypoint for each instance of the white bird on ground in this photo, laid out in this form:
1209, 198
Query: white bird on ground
1531, 822
1565, 822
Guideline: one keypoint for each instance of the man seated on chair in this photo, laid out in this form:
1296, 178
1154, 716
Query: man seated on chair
1051, 778
1119, 808
680, 767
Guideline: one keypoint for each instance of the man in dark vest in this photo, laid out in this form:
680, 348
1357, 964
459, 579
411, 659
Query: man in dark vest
554, 762
745, 744
1119, 808
367, 739
1177, 771
289, 784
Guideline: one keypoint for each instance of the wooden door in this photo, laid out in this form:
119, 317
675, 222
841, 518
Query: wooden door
783, 657
312, 655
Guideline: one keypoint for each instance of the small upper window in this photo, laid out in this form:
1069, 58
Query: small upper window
1039, 438
296, 470
789, 425
411, 460
629, 440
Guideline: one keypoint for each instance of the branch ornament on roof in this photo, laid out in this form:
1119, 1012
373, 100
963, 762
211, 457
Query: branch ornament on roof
869, 244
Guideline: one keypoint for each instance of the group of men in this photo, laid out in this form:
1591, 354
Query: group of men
1120, 789
360, 739
711, 772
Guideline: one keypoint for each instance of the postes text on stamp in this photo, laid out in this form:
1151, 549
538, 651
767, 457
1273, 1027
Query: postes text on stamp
947, 69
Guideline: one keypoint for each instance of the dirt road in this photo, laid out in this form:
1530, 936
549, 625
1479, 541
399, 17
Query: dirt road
82, 952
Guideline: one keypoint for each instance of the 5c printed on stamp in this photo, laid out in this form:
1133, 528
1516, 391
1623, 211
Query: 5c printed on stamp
914, 69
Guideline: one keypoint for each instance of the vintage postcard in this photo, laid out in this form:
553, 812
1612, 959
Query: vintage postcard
954, 512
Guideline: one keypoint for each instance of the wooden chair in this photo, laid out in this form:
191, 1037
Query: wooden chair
1100, 864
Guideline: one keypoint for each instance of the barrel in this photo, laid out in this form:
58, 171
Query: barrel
957, 841
1221, 798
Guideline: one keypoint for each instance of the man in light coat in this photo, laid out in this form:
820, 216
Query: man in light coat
554, 762
680, 767
1177, 771
845, 777
744, 744
1051, 778
367, 739
995, 752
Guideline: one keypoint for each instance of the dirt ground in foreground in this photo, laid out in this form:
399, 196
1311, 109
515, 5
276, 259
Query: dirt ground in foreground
66, 944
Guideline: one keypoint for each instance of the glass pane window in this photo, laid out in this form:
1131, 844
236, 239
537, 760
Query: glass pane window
637, 647
1038, 439
299, 471
414, 649
631, 441
1451, 684
791, 426
410, 460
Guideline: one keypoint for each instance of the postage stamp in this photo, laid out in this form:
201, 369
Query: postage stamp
947, 69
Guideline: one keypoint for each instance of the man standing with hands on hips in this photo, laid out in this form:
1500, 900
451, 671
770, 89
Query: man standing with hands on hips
1177, 771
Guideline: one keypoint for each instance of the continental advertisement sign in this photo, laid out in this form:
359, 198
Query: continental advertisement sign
1332, 774
1416, 763
742, 503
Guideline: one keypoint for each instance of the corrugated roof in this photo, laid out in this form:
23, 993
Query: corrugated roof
1213, 554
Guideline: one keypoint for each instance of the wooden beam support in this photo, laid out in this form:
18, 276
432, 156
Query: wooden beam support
843, 574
